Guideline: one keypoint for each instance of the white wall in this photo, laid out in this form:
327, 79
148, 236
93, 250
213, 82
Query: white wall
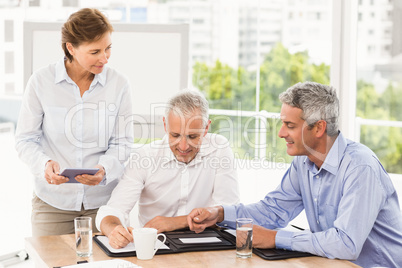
15, 198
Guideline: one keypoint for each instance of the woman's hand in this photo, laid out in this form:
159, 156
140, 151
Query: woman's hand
52, 171
92, 179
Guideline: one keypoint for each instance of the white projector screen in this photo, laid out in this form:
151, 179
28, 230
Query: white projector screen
154, 57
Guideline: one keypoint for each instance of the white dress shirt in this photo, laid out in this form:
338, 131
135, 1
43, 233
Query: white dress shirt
56, 123
166, 187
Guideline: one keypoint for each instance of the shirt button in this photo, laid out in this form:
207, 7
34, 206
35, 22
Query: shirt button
317, 177
318, 222
315, 199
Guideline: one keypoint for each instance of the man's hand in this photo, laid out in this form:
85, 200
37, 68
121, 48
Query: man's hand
52, 171
263, 238
92, 179
167, 224
201, 218
118, 236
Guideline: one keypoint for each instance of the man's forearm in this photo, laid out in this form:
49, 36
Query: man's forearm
108, 224
221, 214
180, 222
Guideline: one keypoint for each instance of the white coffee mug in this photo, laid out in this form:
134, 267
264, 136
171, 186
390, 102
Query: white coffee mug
145, 242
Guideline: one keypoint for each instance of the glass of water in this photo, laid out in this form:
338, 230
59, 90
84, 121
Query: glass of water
83, 236
244, 237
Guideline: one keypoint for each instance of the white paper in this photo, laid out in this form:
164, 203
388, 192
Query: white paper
105, 264
231, 231
128, 248
200, 240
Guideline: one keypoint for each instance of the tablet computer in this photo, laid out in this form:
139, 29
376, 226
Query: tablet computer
72, 172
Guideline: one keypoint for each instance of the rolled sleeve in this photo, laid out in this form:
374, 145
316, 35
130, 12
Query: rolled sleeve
113, 168
110, 211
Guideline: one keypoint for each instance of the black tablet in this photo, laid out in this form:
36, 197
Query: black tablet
72, 172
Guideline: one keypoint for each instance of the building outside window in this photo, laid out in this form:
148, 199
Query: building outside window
379, 83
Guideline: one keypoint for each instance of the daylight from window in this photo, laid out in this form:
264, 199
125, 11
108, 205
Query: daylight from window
379, 87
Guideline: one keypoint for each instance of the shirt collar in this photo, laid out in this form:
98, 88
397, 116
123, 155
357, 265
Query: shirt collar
334, 156
61, 74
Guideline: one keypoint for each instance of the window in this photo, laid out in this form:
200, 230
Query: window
9, 62
370, 49
379, 87
34, 3
70, 3
240, 57
198, 21
8, 31
246, 93
236, 71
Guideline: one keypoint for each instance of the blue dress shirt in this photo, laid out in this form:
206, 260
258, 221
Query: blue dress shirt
351, 206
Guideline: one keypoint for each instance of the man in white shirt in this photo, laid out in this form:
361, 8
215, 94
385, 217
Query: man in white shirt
188, 168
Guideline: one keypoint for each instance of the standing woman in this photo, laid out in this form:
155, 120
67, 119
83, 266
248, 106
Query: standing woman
75, 114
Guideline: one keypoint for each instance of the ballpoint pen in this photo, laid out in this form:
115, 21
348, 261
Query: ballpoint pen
297, 227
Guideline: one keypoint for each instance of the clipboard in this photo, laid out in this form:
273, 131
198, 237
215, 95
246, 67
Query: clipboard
175, 244
279, 254
228, 241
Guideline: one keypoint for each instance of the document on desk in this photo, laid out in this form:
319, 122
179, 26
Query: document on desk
130, 247
200, 240
104, 264
231, 231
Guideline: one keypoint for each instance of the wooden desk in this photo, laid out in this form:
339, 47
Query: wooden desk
51, 251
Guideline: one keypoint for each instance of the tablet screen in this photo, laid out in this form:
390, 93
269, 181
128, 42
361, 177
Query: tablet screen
72, 172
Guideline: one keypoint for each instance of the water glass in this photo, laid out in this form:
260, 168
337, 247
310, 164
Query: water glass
244, 237
83, 236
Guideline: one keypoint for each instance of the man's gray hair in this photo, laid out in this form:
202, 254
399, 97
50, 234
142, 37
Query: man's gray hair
317, 101
188, 102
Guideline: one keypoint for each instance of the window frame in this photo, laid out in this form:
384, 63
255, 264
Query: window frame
343, 65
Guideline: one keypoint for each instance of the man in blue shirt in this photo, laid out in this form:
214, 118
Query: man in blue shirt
351, 205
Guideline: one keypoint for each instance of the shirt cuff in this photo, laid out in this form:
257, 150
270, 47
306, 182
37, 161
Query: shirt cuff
41, 171
113, 169
283, 239
103, 181
107, 169
229, 220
